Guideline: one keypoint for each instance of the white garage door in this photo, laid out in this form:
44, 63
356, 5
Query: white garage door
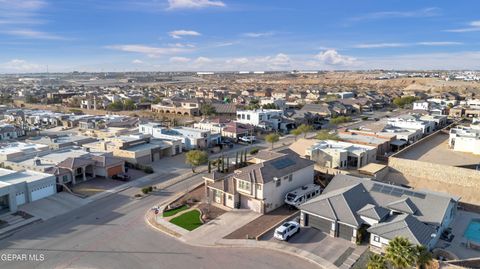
43, 192
20, 197
249, 203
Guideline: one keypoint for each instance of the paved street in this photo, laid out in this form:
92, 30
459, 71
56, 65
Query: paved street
111, 233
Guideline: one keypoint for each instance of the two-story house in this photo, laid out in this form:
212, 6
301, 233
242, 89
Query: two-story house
261, 186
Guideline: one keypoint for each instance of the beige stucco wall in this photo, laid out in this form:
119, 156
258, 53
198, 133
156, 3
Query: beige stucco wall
437, 177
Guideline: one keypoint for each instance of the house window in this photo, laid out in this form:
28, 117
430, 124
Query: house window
290, 177
279, 182
376, 238
248, 117
244, 185
259, 187
285, 178
65, 178
230, 197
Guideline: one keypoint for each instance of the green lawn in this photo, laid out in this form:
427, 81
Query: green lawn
172, 212
189, 220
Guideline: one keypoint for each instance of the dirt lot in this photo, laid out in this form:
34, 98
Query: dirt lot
262, 224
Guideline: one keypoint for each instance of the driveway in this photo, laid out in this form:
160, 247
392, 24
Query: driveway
309, 239
54, 205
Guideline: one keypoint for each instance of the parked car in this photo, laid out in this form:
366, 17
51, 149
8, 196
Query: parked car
121, 177
300, 195
286, 230
247, 139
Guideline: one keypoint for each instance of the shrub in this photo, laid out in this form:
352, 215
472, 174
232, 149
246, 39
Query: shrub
150, 189
144, 190
137, 195
365, 118
148, 170
253, 151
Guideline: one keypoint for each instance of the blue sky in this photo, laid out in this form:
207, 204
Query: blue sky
127, 35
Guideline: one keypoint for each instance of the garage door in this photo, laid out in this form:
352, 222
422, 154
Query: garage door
20, 197
43, 192
345, 232
319, 223
249, 203
114, 170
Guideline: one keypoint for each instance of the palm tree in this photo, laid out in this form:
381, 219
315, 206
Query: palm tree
376, 261
422, 256
400, 253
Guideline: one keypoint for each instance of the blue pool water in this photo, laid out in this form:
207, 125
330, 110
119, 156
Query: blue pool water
473, 231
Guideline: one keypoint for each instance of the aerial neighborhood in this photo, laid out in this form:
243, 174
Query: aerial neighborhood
339, 175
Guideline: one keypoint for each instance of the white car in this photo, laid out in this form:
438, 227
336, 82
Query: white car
286, 230
247, 139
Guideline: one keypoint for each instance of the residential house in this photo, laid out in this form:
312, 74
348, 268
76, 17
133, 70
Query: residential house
262, 186
353, 208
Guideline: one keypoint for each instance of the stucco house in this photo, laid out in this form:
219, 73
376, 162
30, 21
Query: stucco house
353, 208
261, 186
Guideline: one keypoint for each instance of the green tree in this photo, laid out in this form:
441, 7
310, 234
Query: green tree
305, 129
402, 102
326, 135
196, 158
422, 256
115, 106
254, 104
340, 119
129, 104
400, 253
296, 133
376, 261
270, 106
272, 138
207, 110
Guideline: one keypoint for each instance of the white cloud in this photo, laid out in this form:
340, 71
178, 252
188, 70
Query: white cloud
22, 4
440, 43
380, 45
31, 34
473, 26
237, 61
202, 60
18, 65
195, 4
333, 58
421, 13
258, 34
181, 33
181, 45
400, 45
137, 61
152, 52
179, 60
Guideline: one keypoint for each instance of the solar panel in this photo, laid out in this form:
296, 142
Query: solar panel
397, 192
376, 187
386, 189
419, 195
283, 163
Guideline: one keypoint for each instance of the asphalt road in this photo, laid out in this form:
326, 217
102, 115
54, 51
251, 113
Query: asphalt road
111, 233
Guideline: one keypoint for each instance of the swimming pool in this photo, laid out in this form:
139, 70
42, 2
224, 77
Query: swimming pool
472, 232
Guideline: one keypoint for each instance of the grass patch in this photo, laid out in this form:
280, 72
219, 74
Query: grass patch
189, 220
172, 212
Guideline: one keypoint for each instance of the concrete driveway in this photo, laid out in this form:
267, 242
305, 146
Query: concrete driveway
318, 243
54, 205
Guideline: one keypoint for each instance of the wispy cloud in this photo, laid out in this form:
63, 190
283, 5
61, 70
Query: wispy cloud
18, 65
137, 61
473, 26
179, 60
20, 11
400, 45
421, 13
380, 45
258, 34
31, 34
181, 33
194, 4
152, 52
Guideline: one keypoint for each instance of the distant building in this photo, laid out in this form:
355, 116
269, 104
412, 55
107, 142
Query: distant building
269, 119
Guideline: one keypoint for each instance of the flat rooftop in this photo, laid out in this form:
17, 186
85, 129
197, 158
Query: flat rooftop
436, 150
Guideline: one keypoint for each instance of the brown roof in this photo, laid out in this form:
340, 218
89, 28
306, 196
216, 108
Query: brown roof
72, 163
105, 161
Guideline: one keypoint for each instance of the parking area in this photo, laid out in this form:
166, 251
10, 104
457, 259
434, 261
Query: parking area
334, 250
52, 206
